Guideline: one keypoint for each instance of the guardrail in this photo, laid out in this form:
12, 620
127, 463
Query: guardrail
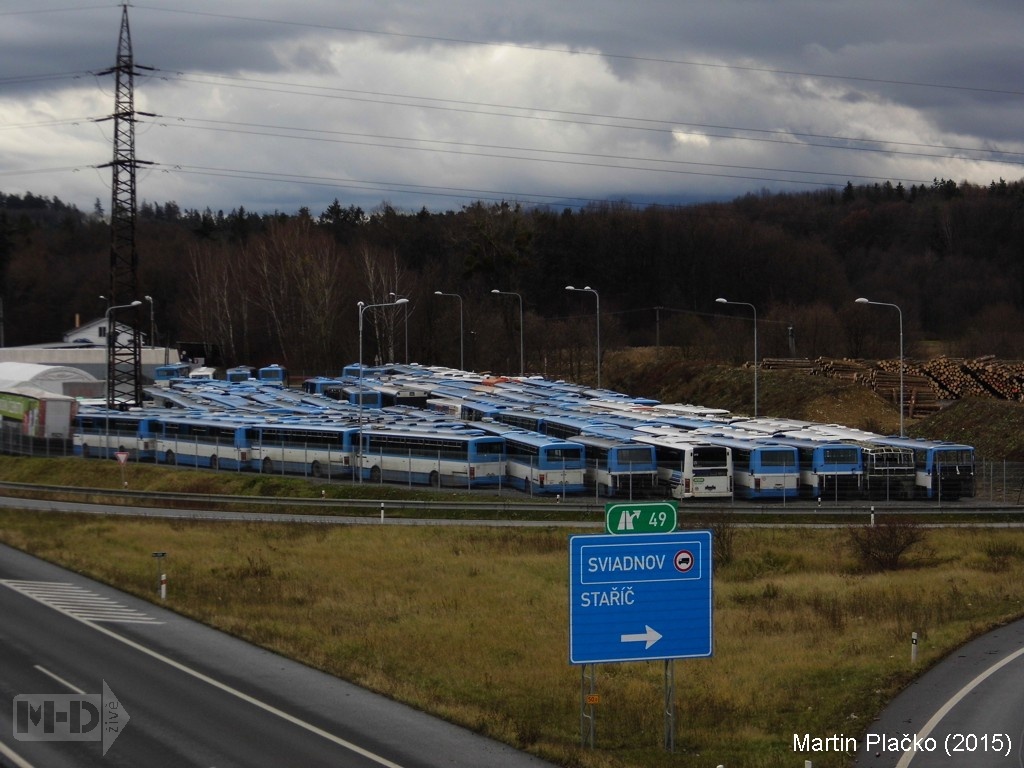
568, 510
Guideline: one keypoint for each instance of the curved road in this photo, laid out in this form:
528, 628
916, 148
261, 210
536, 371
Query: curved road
965, 712
193, 696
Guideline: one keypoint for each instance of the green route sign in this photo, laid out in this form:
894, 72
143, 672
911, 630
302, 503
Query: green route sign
641, 517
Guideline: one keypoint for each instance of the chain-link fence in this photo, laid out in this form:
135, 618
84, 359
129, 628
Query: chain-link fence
999, 481
996, 480
13, 442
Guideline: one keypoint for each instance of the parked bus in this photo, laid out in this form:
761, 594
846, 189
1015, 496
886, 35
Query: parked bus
204, 442
316, 450
433, 456
690, 467
942, 471
539, 463
828, 469
102, 434
164, 374
762, 469
618, 467
239, 373
273, 374
888, 469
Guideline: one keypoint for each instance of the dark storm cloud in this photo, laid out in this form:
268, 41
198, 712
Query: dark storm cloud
433, 96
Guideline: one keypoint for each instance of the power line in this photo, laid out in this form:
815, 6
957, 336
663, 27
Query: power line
595, 54
464, 149
671, 127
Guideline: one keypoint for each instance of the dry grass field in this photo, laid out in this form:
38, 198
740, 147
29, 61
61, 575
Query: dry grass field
471, 623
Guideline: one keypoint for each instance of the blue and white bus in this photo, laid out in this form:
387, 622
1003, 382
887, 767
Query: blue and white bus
164, 374
542, 464
619, 467
102, 434
691, 468
306, 448
435, 456
942, 471
762, 469
828, 469
204, 442
273, 374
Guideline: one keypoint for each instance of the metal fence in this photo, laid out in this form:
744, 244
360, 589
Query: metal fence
13, 442
997, 481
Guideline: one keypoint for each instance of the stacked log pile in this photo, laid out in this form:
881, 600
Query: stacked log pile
854, 370
921, 394
790, 364
1002, 378
925, 384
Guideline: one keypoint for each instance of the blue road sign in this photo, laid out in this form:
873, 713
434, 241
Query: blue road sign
639, 597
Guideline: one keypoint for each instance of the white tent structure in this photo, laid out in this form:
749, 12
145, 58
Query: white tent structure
38, 400
57, 379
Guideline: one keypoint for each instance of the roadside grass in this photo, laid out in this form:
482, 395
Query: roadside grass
470, 623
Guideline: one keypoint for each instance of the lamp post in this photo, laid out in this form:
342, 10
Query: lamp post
754, 310
362, 308
462, 357
597, 298
152, 323
522, 358
111, 394
862, 300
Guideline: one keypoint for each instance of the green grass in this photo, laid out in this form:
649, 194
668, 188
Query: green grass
472, 624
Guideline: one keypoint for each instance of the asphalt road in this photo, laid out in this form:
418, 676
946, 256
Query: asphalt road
965, 712
194, 696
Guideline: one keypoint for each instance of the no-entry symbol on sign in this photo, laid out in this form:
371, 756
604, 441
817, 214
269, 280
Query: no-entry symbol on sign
683, 560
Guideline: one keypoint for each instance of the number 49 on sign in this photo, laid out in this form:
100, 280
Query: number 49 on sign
641, 517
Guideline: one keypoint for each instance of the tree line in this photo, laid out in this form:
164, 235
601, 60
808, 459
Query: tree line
285, 288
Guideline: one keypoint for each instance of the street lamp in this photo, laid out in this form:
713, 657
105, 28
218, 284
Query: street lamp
152, 323
862, 300
522, 358
110, 350
462, 359
588, 289
754, 310
362, 308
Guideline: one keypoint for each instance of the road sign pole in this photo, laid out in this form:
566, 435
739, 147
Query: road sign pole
588, 700
670, 706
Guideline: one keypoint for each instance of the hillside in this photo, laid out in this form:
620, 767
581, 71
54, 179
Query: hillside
994, 427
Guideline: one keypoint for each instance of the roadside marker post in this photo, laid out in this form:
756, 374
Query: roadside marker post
161, 577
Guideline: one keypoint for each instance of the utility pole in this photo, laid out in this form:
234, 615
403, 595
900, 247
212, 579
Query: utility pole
124, 356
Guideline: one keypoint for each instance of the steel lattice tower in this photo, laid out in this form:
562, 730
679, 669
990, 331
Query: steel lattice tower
124, 350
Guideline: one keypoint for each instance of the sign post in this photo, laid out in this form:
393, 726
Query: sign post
122, 459
640, 597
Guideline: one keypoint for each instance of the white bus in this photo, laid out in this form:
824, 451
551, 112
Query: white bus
435, 456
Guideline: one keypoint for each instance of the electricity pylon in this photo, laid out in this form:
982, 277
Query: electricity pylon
124, 350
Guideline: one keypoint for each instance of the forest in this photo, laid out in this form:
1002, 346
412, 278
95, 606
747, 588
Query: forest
260, 288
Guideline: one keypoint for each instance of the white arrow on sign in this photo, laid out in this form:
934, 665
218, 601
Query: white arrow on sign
649, 636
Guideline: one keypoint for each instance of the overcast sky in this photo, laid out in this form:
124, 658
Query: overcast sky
437, 103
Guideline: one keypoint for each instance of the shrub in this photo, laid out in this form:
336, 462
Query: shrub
880, 547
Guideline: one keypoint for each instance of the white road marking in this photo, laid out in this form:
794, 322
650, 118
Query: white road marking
953, 701
14, 757
58, 678
78, 602
33, 589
